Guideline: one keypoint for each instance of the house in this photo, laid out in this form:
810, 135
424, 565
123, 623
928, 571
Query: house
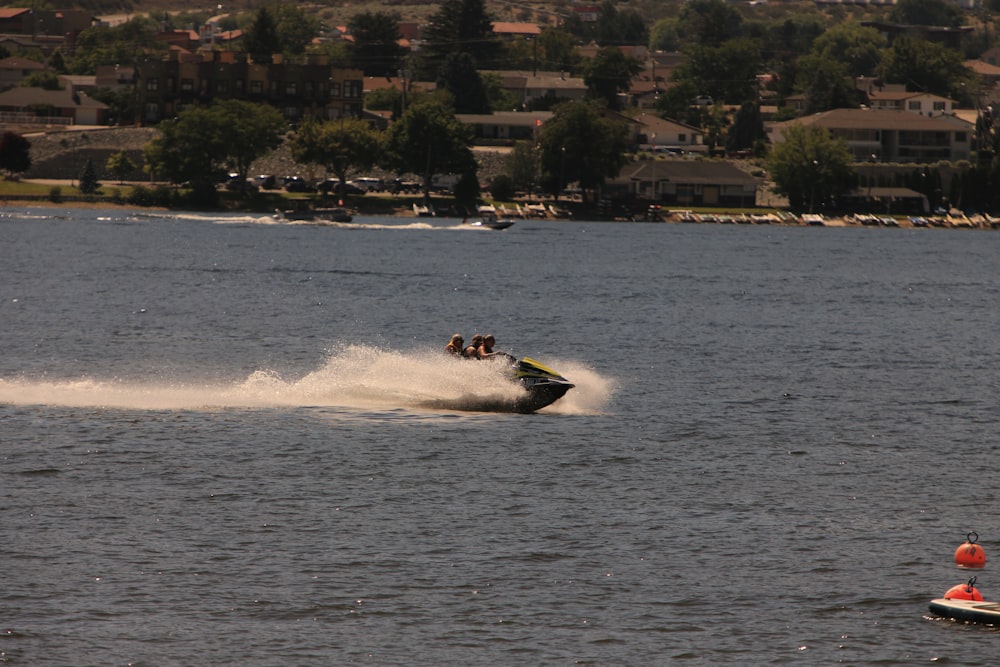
14, 70
16, 21
663, 135
506, 125
168, 85
114, 77
685, 182
890, 135
531, 86
63, 107
925, 104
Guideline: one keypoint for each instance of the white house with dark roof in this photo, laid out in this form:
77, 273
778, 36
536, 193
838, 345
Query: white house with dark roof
889, 135
685, 182
902, 100
665, 135
529, 86
54, 106
14, 70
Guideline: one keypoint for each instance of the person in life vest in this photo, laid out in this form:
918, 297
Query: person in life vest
455, 346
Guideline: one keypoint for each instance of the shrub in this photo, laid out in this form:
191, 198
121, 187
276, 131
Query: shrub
55, 194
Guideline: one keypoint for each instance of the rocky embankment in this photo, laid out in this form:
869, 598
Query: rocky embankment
63, 154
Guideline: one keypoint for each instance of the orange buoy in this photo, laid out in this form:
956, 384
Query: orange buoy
966, 591
970, 554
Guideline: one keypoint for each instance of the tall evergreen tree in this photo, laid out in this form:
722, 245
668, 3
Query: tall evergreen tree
460, 25
261, 41
88, 179
460, 78
15, 153
376, 48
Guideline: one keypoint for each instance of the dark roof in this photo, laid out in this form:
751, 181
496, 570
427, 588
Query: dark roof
713, 172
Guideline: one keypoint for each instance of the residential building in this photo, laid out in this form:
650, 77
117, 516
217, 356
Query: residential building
889, 135
896, 97
56, 107
531, 86
506, 126
312, 89
685, 183
14, 70
664, 135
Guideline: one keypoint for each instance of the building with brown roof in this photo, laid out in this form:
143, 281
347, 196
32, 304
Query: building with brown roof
889, 135
685, 183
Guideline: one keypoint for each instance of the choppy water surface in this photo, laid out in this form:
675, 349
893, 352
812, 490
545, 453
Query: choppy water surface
213, 450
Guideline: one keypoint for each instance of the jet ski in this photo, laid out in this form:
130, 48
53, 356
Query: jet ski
543, 385
540, 387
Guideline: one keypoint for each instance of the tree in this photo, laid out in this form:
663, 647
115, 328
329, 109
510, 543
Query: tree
610, 72
709, 22
558, 50
927, 67
460, 25
88, 179
261, 41
119, 165
665, 35
15, 153
295, 27
100, 45
579, 144
810, 166
460, 77
827, 84
341, 146
428, 139
522, 166
376, 48
858, 47
927, 12
204, 143
747, 128
726, 73
44, 79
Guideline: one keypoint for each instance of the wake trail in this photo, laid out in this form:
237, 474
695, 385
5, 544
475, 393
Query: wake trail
353, 377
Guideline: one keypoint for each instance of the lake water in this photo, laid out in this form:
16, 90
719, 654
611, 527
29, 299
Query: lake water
213, 450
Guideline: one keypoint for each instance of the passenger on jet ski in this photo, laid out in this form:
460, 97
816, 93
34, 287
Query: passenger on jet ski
472, 351
454, 346
485, 350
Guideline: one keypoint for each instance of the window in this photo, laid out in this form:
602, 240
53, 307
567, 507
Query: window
241, 85
335, 90
152, 84
220, 87
257, 87
187, 85
940, 106
152, 111
681, 138
352, 89
171, 84
291, 88
913, 105
960, 137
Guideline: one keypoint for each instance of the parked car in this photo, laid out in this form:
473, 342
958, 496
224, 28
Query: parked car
332, 185
369, 184
298, 184
267, 182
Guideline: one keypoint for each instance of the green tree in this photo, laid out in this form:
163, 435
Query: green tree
204, 143
927, 12
609, 73
747, 128
261, 41
810, 166
578, 144
522, 165
857, 47
44, 79
460, 77
709, 23
827, 84
15, 153
428, 139
460, 25
101, 45
121, 103
726, 73
295, 27
665, 35
558, 50
89, 184
927, 67
376, 48
342, 147
120, 165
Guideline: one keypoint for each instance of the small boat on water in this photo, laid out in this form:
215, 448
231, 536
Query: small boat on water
422, 211
970, 611
489, 221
